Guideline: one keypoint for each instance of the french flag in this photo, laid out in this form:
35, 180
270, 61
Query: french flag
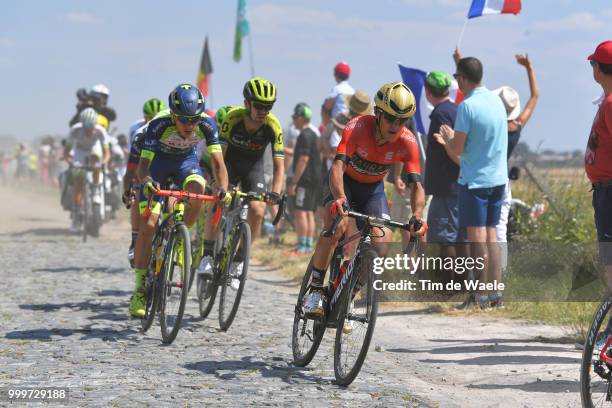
415, 80
483, 7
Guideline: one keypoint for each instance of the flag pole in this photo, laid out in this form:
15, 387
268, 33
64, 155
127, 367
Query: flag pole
251, 54
461, 34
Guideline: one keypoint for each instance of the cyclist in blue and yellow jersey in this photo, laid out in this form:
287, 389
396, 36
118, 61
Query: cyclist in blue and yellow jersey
169, 152
136, 139
245, 133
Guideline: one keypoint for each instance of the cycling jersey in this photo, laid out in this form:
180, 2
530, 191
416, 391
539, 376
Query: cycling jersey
244, 145
134, 127
136, 147
162, 138
366, 161
82, 140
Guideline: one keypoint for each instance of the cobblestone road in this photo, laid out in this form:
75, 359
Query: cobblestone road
64, 323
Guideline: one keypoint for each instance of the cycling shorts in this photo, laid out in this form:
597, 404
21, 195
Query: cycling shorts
250, 175
178, 171
364, 198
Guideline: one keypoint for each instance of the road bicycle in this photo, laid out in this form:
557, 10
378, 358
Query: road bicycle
353, 302
168, 274
231, 258
596, 368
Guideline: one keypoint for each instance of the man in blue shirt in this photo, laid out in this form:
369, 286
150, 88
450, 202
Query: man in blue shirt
480, 138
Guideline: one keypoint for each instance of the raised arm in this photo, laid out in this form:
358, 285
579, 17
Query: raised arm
533, 89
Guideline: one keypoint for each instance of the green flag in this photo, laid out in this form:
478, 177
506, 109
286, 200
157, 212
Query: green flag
242, 29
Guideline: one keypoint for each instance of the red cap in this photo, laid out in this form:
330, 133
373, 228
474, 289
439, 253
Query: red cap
603, 53
342, 68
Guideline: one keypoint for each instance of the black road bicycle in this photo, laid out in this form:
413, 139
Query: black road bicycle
231, 258
352, 302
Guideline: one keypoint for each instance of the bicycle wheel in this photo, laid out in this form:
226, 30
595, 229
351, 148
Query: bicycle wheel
152, 294
356, 321
175, 282
208, 287
233, 276
595, 375
86, 210
307, 333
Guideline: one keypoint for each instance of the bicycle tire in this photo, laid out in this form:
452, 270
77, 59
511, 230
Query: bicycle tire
152, 294
303, 358
208, 288
242, 235
169, 331
346, 377
590, 361
85, 220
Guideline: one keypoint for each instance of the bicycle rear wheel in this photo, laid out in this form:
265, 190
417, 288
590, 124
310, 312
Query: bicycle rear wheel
307, 333
595, 375
152, 295
233, 275
175, 282
356, 321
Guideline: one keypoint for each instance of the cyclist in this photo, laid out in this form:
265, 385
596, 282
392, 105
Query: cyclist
169, 152
88, 142
136, 138
246, 132
370, 145
150, 108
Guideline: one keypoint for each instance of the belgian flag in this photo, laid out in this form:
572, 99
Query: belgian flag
205, 69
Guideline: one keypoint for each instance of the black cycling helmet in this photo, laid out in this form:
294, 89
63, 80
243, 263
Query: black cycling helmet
186, 100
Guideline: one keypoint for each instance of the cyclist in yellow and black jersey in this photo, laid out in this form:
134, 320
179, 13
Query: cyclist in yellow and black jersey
246, 132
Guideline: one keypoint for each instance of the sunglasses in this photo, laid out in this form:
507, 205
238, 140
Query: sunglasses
193, 120
392, 119
261, 107
593, 63
456, 76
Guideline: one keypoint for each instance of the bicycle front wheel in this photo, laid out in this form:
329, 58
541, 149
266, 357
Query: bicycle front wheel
175, 282
356, 321
596, 375
233, 274
307, 333
152, 296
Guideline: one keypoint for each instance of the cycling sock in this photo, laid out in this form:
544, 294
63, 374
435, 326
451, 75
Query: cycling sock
317, 278
139, 275
209, 246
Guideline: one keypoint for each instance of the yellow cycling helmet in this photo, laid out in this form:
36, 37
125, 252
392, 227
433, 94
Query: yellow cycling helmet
259, 90
102, 121
396, 99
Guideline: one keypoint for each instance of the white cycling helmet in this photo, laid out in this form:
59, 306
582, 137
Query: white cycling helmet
88, 118
100, 88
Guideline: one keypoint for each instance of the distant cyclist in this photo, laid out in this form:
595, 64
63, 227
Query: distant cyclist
88, 143
247, 131
169, 152
136, 138
370, 145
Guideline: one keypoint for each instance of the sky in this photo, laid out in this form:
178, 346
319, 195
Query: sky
142, 49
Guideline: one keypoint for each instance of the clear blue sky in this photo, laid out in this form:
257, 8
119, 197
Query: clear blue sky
141, 49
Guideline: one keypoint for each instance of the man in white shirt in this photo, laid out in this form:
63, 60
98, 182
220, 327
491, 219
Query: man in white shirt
336, 100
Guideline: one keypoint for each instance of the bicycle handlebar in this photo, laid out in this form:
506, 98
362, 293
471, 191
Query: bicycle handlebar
252, 196
371, 220
183, 195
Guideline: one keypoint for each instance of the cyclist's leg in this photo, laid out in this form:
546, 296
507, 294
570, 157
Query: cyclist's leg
79, 158
191, 179
373, 201
252, 180
95, 157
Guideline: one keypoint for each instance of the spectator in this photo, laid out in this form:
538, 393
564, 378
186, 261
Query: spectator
306, 177
480, 138
336, 102
44, 155
598, 156
441, 167
516, 122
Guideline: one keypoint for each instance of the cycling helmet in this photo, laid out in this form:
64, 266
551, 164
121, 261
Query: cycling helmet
152, 107
259, 90
102, 121
88, 118
396, 99
221, 114
186, 100
100, 89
